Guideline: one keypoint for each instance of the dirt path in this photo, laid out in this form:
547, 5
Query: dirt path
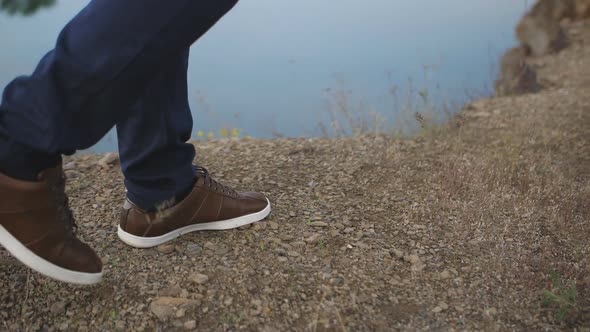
457, 230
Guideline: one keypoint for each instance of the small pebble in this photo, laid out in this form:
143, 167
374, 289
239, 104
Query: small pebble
190, 325
165, 248
199, 278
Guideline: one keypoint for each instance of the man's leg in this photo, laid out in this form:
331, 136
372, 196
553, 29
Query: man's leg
156, 160
167, 196
103, 62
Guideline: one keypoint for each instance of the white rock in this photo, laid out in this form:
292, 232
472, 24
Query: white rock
491, 311
445, 274
70, 166
108, 160
190, 325
398, 253
199, 278
412, 259
313, 238
166, 307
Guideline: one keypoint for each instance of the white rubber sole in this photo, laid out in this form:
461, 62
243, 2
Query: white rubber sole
30, 259
149, 242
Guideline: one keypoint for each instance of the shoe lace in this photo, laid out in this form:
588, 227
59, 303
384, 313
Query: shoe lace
63, 205
213, 184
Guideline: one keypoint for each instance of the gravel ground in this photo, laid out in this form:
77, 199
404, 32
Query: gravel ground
457, 229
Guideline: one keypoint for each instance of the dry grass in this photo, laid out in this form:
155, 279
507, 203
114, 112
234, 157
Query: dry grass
522, 200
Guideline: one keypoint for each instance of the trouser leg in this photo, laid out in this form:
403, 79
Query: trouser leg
155, 158
103, 62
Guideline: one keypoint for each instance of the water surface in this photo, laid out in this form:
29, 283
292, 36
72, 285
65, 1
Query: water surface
274, 67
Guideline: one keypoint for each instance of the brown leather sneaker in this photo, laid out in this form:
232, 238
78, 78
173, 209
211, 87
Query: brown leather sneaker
38, 228
210, 206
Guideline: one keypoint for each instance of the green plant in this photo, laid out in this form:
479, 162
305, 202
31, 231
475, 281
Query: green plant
231, 319
563, 295
113, 314
250, 237
115, 261
224, 132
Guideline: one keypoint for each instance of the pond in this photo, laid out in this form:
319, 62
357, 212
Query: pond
281, 68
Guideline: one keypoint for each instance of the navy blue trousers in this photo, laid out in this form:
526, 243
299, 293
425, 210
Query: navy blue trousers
117, 63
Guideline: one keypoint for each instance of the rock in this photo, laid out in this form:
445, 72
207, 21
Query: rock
491, 311
101, 199
179, 249
285, 246
199, 278
540, 32
362, 245
210, 245
437, 309
58, 308
70, 166
286, 237
190, 325
414, 259
339, 226
292, 214
445, 274
165, 248
313, 238
443, 305
166, 307
258, 226
319, 224
273, 225
171, 292
293, 254
582, 11
418, 266
274, 240
222, 250
192, 249
108, 160
516, 76
71, 174
398, 253
120, 325
184, 294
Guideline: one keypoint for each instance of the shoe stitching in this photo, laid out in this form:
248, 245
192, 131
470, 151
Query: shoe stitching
202, 203
220, 206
